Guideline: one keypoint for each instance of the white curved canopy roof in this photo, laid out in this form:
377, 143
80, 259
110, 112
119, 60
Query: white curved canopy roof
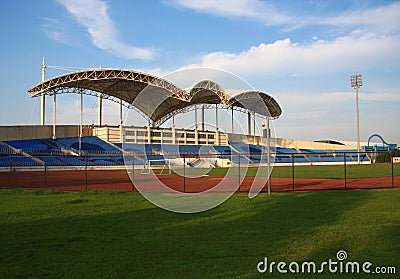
155, 97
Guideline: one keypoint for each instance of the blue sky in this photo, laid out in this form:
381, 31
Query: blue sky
300, 52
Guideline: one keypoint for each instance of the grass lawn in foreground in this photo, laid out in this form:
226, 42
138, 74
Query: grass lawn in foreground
121, 235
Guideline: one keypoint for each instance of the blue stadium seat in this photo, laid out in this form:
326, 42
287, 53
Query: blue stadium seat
133, 147
51, 161
282, 158
241, 159
5, 162
89, 144
223, 149
103, 160
285, 150
300, 159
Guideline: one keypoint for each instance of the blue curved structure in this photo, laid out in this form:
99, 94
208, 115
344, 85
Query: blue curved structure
385, 146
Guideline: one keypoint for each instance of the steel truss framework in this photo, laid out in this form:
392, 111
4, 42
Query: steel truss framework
168, 99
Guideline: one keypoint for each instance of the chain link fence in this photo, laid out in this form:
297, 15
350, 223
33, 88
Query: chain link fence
190, 173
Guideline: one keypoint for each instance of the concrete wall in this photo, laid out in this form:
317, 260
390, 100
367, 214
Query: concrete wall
139, 135
112, 134
288, 143
302, 144
25, 132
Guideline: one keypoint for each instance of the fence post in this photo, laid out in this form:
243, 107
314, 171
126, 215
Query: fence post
345, 171
133, 173
184, 173
239, 170
45, 175
292, 172
11, 171
86, 186
392, 155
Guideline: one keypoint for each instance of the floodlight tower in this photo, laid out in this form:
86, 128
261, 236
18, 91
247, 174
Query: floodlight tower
356, 82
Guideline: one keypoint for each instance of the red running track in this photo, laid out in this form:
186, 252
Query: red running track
67, 180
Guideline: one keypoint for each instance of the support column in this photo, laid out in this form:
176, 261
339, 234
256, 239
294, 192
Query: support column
42, 97
254, 128
81, 116
232, 130
248, 124
202, 118
196, 130
173, 130
121, 136
99, 109
216, 126
195, 117
196, 136
136, 131
80, 121
148, 132
54, 114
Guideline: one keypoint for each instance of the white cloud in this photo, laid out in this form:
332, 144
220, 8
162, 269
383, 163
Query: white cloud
385, 18
92, 14
252, 9
52, 27
305, 101
55, 35
381, 97
287, 58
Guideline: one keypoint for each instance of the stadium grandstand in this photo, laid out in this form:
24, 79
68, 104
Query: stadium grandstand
61, 146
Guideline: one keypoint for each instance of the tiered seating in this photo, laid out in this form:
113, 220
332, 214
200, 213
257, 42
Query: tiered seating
89, 144
281, 154
253, 152
50, 151
351, 155
132, 147
169, 149
36, 146
301, 159
5, 161
51, 161
17, 161
246, 148
222, 149
319, 155
241, 159
27, 144
74, 161
285, 150
316, 158
104, 161
8, 157
5, 150
189, 149
96, 152
89, 147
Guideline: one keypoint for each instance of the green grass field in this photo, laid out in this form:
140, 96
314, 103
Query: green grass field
112, 234
324, 171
